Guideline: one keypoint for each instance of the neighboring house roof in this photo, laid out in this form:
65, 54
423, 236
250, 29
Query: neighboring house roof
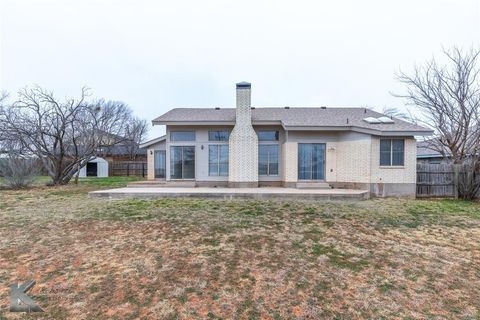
120, 150
296, 118
424, 150
153, 141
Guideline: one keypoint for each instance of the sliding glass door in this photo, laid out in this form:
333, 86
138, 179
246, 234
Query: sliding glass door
182, 162
160, 164
311, 161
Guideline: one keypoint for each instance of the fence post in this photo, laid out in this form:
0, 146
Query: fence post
128, 169
456, 171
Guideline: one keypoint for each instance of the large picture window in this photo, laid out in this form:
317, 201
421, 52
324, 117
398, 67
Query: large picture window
159, 163
218, 135
218, 160
182, 162
182, 136
268, 159
392, 152
311, 161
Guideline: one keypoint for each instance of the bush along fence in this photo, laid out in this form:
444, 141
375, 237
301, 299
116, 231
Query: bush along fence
128, 168
440, 180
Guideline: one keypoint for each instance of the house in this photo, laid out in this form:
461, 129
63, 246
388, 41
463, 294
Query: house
427, 154
118, 148
320, 147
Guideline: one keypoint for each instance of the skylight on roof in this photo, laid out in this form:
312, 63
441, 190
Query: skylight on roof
385, 119
372, 120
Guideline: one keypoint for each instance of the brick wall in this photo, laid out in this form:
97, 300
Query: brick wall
243, 143
353, 157
290, 161
405, 174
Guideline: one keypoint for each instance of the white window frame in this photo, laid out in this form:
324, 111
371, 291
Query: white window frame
268, 159
218, 145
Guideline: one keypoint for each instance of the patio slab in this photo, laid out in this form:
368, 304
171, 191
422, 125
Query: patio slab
232, 193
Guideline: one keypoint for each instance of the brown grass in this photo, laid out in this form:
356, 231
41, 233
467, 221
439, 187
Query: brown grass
197, 259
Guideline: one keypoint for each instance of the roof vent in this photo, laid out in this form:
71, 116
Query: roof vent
287, 107
217, 108
323, 107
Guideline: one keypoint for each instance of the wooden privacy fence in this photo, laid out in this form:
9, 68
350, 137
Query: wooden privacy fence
435, 180
440, 180
128, 168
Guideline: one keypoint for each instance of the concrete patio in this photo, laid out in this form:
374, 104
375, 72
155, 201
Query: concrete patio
231, 193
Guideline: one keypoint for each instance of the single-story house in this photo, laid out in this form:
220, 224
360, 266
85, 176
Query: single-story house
300, 147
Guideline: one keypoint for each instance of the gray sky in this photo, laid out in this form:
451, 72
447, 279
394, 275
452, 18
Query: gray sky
156, 55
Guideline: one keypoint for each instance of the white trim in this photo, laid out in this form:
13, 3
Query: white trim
153, 141
377, 132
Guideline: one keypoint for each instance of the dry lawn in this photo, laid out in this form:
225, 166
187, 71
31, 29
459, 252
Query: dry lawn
204, 259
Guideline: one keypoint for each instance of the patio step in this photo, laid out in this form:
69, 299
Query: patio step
277, 193
313, 185
161, 184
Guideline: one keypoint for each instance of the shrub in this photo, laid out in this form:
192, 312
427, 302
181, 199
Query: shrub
18, 171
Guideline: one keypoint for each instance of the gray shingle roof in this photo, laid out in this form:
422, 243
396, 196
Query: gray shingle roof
425, 150
294, 118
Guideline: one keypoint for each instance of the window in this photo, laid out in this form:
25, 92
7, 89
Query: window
182, 162
218, 160
268, 159
311, 161
159, 163
182, 136
218, 135
268, 135
392, 152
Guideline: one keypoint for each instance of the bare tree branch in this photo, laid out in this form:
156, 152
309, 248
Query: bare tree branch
448, 97
64, 135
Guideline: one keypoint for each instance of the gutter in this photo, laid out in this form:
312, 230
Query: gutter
376, 132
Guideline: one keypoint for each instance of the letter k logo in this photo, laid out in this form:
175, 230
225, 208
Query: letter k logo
19, 301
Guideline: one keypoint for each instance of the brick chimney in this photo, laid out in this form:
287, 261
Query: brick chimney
243, 143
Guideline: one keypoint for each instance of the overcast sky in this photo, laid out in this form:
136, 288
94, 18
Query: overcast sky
157, 55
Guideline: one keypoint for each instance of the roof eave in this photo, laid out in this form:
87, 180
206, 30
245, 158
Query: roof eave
361, 130
153, 141
210, 122
191, 123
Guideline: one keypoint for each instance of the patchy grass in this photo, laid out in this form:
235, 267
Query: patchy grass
207, 259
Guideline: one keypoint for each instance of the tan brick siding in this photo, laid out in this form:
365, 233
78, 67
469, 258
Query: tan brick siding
290, 159
331, 161
352, 155
243, 143
150, 164
405, 174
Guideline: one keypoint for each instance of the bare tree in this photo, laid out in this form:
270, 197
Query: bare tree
396, 113
64, 135
135, 132
448, 95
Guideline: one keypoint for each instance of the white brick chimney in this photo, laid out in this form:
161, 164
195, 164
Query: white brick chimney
243, 143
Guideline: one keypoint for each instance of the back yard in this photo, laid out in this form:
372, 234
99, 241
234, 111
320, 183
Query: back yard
168, 259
